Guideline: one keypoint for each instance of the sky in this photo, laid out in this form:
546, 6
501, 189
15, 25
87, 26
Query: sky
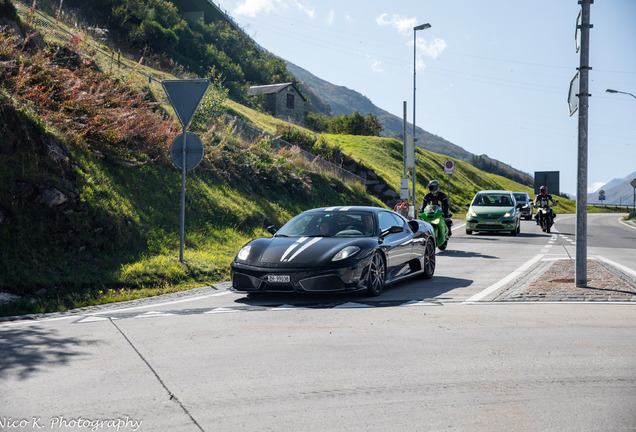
492, 76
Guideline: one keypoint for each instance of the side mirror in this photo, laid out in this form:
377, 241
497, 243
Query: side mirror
392, 230
272, 229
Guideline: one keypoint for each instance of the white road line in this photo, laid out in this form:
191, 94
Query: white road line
93, 314
455, 227
154, 305
492, 288
621, 267
628, 225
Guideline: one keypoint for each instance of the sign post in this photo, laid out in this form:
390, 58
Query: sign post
184, 96
601, 196
633, 183
449, 169
582, 34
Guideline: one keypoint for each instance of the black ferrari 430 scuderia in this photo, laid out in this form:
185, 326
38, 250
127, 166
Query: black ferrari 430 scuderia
336, 249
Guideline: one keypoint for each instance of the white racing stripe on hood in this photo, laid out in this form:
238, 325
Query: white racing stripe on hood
292, 247
313, 241
338, 208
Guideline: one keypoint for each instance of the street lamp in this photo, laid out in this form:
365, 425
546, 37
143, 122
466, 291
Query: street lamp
633, 181
415, 29
618, 91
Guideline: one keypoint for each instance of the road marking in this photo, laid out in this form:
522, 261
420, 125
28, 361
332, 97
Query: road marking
351, 305
421, 303
621, 267
94, 319
455, 227
628, 225
154, 305
221, 310
288, 307
152, 314
515, 274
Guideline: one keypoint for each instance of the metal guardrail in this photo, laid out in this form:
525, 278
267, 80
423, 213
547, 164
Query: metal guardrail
617, 206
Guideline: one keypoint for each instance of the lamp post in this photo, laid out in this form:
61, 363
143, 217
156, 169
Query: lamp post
633, 181
618, 91
415, 29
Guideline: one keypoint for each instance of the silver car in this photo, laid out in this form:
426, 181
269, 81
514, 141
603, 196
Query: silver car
526, 208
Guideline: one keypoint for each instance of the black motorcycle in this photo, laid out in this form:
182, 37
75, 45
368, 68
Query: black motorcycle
545, 216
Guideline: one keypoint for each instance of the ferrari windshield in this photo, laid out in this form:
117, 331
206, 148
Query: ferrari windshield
330, 224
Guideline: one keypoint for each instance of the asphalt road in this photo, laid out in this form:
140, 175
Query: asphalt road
426, 355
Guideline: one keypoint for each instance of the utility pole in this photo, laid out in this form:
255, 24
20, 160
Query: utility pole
415, 29
581, 190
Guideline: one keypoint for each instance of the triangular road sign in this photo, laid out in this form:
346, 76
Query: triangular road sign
185, 96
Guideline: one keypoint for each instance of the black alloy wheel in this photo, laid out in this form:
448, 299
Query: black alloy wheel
429, 259
377, 275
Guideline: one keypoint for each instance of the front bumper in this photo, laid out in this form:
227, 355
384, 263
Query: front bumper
491, 225
525, 211
251, 279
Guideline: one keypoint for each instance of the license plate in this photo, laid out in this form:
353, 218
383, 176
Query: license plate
278, 278
490, 223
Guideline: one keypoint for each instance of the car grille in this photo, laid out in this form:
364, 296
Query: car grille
489, 226
322, 283
244, 282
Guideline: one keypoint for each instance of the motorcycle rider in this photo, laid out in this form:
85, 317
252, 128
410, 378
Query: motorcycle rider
542, 200
436, 197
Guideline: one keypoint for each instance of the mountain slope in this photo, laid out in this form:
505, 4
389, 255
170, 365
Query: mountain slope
618, 191
344, 101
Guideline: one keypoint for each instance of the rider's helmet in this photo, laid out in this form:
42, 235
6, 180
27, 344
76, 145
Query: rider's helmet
543, 190
433, 186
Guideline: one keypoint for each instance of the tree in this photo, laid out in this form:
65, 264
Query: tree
355, 124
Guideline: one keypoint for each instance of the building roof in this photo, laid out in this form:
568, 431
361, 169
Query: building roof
272, 89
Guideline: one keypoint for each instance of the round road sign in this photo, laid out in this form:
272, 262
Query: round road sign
194, 150
449, 167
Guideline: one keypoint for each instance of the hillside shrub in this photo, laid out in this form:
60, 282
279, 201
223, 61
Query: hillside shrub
296, 136
355, 124
97, 112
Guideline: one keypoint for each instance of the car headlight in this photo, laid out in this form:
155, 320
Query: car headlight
473, 214
346, 253
244, 253
507, 215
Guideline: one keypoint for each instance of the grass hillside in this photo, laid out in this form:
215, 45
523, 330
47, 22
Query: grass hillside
90, 201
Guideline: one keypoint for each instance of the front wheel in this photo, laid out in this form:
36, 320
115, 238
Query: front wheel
429, 260
469, 232
376, 276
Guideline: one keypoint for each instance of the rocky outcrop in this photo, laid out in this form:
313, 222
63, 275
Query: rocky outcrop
51, 196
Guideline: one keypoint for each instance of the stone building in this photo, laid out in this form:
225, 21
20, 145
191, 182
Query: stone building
283, 101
